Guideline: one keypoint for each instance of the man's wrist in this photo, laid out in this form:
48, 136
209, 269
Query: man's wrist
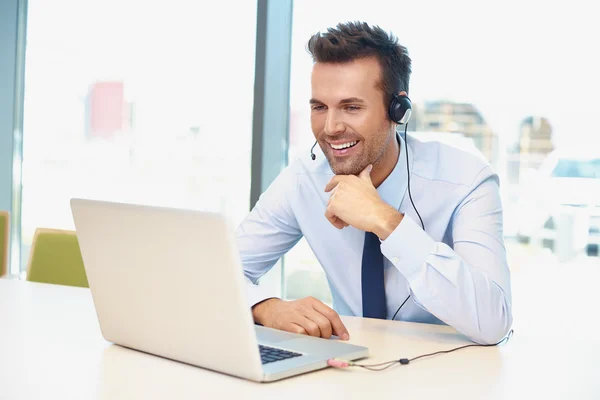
260, 309
386, 221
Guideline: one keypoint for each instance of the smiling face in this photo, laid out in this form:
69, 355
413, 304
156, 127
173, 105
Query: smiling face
348, 116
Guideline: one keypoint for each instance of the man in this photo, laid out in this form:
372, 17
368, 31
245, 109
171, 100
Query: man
355, 208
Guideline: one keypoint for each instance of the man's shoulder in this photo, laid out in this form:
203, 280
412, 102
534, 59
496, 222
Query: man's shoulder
302, 172
457, 163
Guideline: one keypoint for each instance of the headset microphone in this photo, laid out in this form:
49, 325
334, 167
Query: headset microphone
312, 155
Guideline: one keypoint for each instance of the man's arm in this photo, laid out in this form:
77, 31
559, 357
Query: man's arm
267, 233
467, 287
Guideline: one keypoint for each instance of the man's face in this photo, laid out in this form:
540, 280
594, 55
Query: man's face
348, 117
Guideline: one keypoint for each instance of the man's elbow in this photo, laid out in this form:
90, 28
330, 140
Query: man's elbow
494, 330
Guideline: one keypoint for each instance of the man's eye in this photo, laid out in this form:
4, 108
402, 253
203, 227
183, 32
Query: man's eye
352, 108
318, 108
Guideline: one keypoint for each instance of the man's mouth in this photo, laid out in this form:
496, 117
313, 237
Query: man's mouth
343, 146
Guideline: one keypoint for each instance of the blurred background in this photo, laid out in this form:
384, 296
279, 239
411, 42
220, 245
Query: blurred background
153, 103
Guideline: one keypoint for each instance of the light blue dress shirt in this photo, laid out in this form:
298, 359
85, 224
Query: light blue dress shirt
456, 270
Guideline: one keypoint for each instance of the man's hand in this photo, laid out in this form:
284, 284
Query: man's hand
307, 316
354, 201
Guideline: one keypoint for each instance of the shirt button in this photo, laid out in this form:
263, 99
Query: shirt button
395, 259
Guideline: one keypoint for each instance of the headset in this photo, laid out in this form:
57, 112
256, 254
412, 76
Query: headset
399, 111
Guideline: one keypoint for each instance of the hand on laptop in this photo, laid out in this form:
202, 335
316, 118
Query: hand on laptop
306, 316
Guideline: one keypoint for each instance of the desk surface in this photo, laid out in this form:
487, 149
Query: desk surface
51, 347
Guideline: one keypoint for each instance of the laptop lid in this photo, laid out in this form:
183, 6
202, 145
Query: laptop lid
168, 282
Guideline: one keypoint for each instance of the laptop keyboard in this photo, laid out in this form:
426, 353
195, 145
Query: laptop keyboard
271, 354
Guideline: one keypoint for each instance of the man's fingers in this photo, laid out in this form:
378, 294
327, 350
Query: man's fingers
335, 221
295, 328
365, 174
330, 215
309, 326
338, 326
333, 182
341, 223
322, 321
338, 223
333, 192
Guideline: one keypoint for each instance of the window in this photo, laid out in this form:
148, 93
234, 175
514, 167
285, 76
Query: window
131, 101
516, 94
568, 168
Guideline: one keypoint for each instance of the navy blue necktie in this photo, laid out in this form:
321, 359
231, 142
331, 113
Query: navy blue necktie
373, 288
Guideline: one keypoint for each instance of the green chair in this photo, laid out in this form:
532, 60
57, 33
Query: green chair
4, 232
55, 258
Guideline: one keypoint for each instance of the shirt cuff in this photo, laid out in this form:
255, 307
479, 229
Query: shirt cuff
256, 293
408, 247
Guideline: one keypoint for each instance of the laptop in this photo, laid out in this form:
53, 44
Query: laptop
169, 282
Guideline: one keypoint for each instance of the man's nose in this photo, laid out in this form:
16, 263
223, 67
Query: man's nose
333, 123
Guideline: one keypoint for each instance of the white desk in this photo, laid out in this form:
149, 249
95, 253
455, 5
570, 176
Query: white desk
51, 348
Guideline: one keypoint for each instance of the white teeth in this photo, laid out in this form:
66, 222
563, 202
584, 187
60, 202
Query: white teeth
343, 146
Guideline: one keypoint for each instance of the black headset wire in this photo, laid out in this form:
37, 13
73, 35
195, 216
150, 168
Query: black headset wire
404, 361
408, 174
404, 302
411, 201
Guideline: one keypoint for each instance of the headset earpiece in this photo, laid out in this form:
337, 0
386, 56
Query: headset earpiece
400, 109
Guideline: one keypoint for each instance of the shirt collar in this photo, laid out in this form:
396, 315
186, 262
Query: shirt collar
393, 188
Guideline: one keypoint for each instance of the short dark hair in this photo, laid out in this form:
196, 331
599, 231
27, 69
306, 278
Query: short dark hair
355, 40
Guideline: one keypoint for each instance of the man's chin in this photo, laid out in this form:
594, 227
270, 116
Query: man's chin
347, 167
